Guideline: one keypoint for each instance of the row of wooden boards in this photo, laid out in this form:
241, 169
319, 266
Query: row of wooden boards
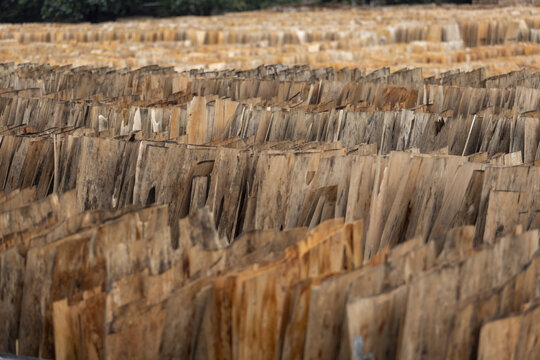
280, 185
237, 215
99, 284
154, 83
472, 27
209, 122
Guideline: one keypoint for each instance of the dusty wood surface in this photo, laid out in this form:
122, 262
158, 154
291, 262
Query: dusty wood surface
275, 211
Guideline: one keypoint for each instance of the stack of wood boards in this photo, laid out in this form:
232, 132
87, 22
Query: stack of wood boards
274, 212
437, 38
166, 195
462, 113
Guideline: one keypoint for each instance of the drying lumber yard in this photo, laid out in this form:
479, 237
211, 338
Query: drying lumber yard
435, 38
302, 183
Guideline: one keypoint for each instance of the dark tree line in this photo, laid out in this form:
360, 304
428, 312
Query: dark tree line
67, 10
104, 10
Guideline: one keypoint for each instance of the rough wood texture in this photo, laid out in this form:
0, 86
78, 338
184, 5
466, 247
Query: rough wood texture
273, 212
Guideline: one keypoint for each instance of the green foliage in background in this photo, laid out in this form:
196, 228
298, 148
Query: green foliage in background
87, 10
209, 7
105, 10
199, 7
67, 10
20, 10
